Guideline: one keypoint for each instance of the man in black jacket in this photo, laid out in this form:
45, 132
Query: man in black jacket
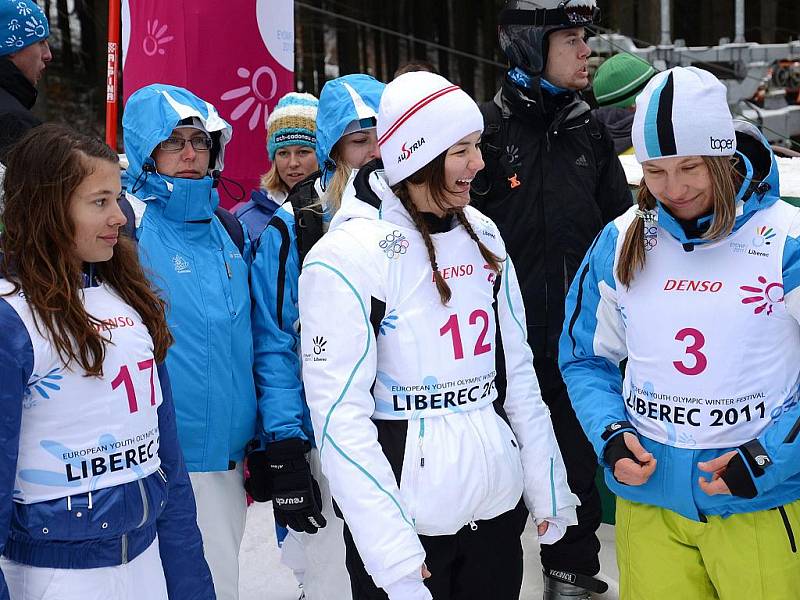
552, 181
24, 54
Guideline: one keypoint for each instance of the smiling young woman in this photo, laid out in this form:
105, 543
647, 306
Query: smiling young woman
699, 441
422, 287
88, 419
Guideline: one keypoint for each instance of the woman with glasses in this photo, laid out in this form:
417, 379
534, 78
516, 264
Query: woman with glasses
95, 500
175, 143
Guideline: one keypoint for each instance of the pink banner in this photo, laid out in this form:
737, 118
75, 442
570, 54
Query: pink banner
239, 56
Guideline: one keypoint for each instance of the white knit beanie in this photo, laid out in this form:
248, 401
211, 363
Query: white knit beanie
683, 112
420, 116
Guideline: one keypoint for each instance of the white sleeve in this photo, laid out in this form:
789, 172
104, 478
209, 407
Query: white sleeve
546, 492
339, 365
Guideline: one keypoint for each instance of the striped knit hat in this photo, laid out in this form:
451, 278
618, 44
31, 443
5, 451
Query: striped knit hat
292, 123
421, 115
620, 79
683, 112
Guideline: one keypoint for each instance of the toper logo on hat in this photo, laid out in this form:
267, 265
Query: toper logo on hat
407, 152
721, 144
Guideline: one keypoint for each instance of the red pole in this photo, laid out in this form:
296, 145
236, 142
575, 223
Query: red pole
112, 72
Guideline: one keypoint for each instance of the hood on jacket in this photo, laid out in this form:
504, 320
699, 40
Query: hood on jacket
342, 101
151, 114
359, 199
760, 189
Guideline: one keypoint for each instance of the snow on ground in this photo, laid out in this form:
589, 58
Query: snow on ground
263, 577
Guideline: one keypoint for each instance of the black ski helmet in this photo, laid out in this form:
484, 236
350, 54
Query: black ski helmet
523, 27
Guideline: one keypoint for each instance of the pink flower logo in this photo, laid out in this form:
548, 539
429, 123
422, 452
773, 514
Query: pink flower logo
766, 296
155, 39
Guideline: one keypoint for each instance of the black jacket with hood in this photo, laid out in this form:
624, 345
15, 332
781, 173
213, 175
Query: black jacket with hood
552, 181
17, 97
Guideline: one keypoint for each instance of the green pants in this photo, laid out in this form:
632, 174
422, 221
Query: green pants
664, 556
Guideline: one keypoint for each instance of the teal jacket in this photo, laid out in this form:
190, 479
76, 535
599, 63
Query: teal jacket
203, 277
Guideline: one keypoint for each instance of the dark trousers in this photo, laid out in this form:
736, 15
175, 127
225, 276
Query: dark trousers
577, 550
468, 565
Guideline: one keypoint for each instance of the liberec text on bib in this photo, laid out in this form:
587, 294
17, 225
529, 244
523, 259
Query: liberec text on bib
432, 398
700, 421
111, 457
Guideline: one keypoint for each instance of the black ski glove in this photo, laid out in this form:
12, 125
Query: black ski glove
296, 500
258, 483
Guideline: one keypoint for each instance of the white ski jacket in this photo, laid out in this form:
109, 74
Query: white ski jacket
378, 345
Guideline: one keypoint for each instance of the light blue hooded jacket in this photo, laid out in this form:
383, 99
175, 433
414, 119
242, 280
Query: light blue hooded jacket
202, 275
594, 380
276, 270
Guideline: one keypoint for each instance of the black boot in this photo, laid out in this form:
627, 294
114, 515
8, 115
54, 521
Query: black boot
563, 585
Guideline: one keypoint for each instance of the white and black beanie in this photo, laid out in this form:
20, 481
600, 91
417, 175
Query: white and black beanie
420, 116
683, 112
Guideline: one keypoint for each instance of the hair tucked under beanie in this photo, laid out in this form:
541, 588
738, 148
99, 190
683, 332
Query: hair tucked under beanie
292, 123
683, 112
420, 116
22, 23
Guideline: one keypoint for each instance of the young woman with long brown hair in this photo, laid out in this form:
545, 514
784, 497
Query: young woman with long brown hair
95, 500
697, 286
404, 312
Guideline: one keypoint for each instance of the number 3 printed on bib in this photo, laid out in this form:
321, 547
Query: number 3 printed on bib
695, 340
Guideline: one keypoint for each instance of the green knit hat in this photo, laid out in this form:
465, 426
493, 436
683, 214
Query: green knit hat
620, 79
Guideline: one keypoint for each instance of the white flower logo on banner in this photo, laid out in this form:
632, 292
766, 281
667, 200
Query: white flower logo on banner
263, 80
13, 25
24, 9
155, 38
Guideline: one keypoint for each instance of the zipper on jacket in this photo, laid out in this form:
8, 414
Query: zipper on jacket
473, 525
163, 475
566, 278
124, 548
788, 526
420, 439
145, 504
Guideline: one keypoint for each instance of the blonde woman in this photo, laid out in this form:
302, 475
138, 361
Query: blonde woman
346, 140
291, 145
697, 287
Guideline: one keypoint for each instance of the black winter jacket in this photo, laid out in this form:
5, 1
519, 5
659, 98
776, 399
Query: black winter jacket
17, 97
552, 181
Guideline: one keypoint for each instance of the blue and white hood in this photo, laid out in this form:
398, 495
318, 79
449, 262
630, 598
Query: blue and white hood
151, 114
342, 101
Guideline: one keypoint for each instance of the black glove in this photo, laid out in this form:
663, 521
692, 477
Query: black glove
296, 500
616, 450
258, 484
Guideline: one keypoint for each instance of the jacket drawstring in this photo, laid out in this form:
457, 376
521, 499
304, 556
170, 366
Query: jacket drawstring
147, 168
218, 179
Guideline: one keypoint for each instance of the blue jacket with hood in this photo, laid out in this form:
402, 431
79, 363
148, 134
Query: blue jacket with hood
120, 521
276, 271
258, 210
593, 343
202, 275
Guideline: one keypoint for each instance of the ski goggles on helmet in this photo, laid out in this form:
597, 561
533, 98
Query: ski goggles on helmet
568, 13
